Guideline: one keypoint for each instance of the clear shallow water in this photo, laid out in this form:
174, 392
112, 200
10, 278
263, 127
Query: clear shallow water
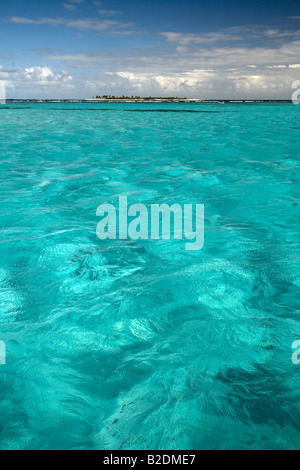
144, 345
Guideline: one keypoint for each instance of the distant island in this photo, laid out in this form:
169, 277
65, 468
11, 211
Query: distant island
140, 98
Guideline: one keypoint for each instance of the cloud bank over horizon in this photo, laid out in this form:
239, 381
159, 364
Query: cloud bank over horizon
94, 48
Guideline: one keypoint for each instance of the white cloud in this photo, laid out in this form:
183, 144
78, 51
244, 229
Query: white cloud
276, 66
188, 39
215, 65
109, 12
166, 83
239, 83
69, 6
36, 81
84, 24
200, 83
45, 75
217, 57
229, 35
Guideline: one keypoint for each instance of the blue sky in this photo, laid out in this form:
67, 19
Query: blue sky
194, 48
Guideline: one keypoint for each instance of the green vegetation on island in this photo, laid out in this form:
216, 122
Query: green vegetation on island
142, 98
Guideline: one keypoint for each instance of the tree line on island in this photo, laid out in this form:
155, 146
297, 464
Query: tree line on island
146, 98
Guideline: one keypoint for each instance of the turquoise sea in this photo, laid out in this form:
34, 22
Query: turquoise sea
125, 344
